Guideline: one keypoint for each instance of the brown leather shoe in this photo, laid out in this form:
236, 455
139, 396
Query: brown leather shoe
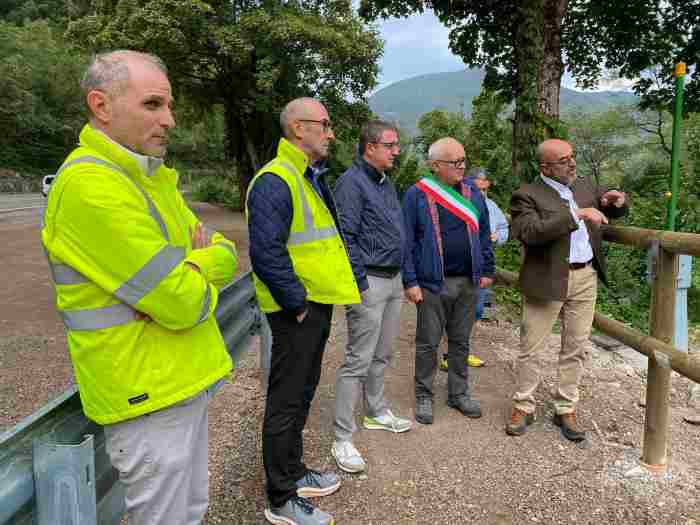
569, 427
519, 421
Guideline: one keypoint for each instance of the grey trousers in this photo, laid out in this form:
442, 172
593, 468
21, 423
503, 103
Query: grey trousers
162, 459
372, 328
452, 311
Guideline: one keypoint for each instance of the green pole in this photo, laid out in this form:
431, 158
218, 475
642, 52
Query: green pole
676, 147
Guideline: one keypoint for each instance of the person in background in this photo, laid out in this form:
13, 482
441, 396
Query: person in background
557, 219
372, 224
137, 278
499, 235
445, 218
301, 269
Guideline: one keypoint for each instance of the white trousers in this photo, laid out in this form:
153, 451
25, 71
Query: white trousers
162, 459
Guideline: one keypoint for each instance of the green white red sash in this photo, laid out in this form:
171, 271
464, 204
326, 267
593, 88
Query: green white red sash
449, 199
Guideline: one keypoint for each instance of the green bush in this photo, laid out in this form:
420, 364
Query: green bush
217, 190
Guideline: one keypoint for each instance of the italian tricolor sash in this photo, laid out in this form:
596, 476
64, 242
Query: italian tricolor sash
451, 200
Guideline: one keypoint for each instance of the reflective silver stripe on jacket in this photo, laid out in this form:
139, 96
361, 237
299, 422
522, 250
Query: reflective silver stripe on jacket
205, 306
310, 233
151, 206
150, 274
98, 318
64, 274
143, 281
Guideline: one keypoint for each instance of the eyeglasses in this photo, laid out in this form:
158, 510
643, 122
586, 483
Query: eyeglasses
456, 164
566, 160
327, 124
389, 145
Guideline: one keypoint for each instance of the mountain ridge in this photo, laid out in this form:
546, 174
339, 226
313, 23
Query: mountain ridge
407, 100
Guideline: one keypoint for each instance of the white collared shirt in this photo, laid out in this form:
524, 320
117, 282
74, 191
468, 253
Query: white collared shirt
148, 165
580, 250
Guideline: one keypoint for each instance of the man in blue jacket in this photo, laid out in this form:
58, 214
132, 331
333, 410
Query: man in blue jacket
370, 218
447, 258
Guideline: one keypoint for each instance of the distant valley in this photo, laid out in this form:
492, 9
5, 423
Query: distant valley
406, 101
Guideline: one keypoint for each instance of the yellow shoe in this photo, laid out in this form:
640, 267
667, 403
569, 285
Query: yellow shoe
474, 361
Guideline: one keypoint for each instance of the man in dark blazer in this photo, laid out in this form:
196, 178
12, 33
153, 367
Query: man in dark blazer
557, 219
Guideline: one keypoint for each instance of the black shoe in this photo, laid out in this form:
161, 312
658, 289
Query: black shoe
569, 427
424, 411
467, 406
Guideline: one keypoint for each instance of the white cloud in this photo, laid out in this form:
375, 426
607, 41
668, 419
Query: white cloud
417, 45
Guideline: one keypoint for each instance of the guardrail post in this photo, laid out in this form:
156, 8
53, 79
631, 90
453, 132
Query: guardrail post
64, 477
661, 326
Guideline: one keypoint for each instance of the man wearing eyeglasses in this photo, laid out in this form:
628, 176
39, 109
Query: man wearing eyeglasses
371, 222
301, 269
557, 219
448, 258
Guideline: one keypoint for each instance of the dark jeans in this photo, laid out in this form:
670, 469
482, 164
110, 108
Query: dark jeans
452, 312
295, 369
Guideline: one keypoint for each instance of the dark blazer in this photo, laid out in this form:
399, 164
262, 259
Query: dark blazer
542, 222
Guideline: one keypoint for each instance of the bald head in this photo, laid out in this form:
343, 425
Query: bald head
110, 72
557, 160
298, 109
306, 124
442, 147
446, 159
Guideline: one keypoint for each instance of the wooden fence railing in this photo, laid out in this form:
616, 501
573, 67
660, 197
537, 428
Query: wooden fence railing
657, 346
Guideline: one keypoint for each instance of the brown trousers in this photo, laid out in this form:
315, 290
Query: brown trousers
538, 317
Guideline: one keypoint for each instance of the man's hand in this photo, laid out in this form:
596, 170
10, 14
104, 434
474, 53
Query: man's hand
485, 282
200, 239
494, 236
592, 215
614, 197
302, 316
414, 294
140, 316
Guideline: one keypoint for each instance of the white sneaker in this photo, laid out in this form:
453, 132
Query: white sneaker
347, 457
388, 422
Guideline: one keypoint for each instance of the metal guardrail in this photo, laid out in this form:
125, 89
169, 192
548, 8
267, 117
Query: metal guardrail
54, 468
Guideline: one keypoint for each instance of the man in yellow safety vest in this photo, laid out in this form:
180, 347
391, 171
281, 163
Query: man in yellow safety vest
137, 279
301, 270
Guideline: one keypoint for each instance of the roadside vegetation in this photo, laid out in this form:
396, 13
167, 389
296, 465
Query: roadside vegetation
231, 78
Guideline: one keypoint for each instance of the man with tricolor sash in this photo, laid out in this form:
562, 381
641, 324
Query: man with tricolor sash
447, 258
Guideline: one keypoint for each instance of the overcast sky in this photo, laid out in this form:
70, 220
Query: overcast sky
418, 45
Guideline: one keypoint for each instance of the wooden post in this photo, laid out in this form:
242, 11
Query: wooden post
661, 326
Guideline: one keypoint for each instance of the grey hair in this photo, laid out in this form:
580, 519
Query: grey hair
294, 110
372, 131
438, 147
109, 72
539, 152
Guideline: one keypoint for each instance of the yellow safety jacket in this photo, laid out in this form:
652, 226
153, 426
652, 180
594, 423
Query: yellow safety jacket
118, 239
315, 246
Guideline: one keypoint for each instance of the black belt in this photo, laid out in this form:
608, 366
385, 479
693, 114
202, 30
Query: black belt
578, 266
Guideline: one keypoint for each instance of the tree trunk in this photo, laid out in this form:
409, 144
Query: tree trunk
551, 67
528, 46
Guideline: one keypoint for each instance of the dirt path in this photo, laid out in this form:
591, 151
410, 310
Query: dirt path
456, 471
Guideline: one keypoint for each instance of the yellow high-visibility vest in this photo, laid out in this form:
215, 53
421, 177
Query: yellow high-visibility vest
315, 246
118, 241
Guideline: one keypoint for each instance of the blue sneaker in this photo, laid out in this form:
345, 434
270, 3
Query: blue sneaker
298, 511
315, 484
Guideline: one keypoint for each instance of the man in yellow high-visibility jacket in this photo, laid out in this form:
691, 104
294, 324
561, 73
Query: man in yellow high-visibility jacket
301, 270
137, 279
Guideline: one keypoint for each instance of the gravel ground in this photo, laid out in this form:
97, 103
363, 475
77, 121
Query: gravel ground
455, 471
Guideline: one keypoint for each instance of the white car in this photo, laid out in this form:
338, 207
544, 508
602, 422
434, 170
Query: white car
46, 184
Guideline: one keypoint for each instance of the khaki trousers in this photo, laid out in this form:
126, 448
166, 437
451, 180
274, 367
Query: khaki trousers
538, 317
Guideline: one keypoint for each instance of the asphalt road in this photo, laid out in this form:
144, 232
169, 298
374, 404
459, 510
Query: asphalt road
20, 201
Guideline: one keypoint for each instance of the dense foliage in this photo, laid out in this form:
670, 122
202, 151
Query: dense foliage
251, 57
